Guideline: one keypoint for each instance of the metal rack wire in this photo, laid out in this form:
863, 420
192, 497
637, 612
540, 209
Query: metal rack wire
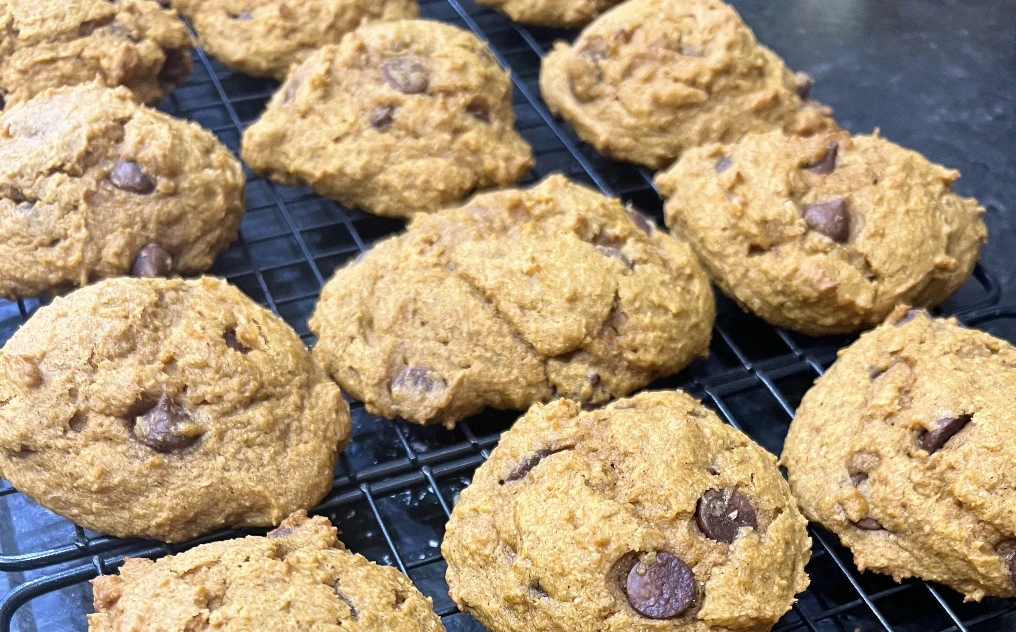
396, 484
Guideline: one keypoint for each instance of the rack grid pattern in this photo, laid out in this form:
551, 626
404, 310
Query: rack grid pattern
397, 483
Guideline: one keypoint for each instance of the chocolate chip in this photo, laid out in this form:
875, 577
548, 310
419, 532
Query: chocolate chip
405, 74
640, 220
177, 67
858, 466
869, 524
281, 532
723, 164
623, 35
230, 337
127, 175
527, 464
858, 477
152, 261
537, 589
804, 84
3, 99
947, 427
166, 428
382, 117
830, 219
663, 588
419, 379
479, 109
720, 514
874, 372
595, 50
1007, 551
354, 614
910, 315
827, 164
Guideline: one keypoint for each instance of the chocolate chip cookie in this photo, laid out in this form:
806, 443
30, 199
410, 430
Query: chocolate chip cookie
649, 514
517, 297
93, 185
165, 409
266, 38
824, 234
652, 78
54, 43
298, 578
559, 13
401, 117
904, 449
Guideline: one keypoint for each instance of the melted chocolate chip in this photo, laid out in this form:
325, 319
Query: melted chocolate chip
231, 341
641, 221
869, 524
382, 117
479, 109
176, 68
909, 316
527, 464
405, 74
830, 219
663, 588
152, 261
723, 164
166, 428
804, 84
354, 614
128, 176
827, 164
418, 379
720, 514
947, 428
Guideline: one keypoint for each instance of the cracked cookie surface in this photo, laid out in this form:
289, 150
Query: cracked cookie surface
93, 185
557, 13
166, 409
904, 450
651, 78
298, 578
517, 297
648, 514
266, 38
825, 234
400, 118
54, 43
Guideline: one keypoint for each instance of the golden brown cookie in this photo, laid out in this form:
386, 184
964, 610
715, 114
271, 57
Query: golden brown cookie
55, 43
166, 409
400, 118
299, 578
649, 514
559, 13
652, 78
904, 449
93, 185
517, 297
824, 234
266, 38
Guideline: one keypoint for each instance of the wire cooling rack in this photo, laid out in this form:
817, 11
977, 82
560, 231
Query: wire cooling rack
397, 482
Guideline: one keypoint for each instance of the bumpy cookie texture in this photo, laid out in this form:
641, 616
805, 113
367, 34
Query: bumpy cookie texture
93, 185
824, 234
648, 514
55, 43
904, 450
560, 13
652, 78
515, 298
266, 38
298, 578
166, 409
400, 118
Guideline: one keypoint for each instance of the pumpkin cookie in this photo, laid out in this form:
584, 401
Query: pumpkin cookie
400, 118
824, 234
559, 13
55, 43
648, 514
166, 409
652, 78
517, 297
298, 578
904, 449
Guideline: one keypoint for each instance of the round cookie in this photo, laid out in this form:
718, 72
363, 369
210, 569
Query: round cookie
299, 578
93, 185
649, 514
651, 78
824, 234
400, 118
165, 409
54, 43
904, 449
266, 38
557, 13
517, 297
